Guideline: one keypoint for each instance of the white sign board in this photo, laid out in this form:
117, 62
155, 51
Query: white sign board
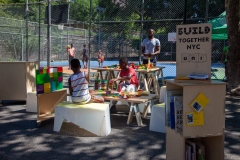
172, 37
193, 49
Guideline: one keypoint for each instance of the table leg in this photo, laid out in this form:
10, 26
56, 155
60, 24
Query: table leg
110, 105
138, 115
97, 77
145, 84
106, 75
130, 115
145, 110
108, 78
149, 81
163, 82
155, 84
140, 80
101, 76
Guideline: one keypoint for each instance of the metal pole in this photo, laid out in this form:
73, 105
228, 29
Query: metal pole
22, 40
49, 34
185, 12
39, 32
67, 43
85, 36
141, 32
89, 41
207, 6
26, 31
99, 29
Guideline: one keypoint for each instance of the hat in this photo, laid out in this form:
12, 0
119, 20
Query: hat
68, 46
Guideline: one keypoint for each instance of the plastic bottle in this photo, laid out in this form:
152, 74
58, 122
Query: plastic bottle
97, 84
104, 85
149, 62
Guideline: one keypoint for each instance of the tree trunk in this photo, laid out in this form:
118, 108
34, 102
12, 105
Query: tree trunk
232, 10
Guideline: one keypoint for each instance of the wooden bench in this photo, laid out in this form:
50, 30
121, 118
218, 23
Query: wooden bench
94, 117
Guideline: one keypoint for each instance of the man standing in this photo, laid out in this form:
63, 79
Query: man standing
85, 56
150, 48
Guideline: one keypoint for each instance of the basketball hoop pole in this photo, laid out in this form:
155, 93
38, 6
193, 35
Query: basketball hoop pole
49, 34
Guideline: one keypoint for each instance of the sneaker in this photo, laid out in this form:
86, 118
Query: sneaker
113, 109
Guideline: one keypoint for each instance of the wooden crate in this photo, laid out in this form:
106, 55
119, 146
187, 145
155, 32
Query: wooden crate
211, 133
214, 146
17, 79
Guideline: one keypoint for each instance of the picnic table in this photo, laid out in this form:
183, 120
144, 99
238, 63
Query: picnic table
151, 78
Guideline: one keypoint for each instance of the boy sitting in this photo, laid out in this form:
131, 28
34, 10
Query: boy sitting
78, 85
127, 79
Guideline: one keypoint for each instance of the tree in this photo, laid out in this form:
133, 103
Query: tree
79, 10
232, 10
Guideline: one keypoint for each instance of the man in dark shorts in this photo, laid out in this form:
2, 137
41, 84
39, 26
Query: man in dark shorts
85, 56
150, 48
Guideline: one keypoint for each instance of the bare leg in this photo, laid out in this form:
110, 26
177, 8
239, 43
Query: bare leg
86, 64
83, 63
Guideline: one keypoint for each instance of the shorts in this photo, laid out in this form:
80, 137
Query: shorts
145, 61
100, 60
80, 101
85, 59
70, 58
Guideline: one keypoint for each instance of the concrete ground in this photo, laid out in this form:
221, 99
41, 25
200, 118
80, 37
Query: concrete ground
20, 139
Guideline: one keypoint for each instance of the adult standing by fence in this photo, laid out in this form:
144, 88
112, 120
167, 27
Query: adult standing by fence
84, 56
150, 48
71, 54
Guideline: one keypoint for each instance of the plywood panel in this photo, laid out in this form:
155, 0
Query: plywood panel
214, 147
175, 145
13, 81
48, 101
30, 76
214, 112
172, 86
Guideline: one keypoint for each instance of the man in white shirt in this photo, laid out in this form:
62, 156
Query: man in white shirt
150, 48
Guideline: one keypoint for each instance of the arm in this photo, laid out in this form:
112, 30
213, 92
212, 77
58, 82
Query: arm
69, 86
157, 48
125, 78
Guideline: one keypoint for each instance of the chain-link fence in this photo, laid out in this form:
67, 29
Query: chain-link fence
119, 26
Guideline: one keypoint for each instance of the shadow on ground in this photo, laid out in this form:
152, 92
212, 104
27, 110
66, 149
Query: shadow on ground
20, 139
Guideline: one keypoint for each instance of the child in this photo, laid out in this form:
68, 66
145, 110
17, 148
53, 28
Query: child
78, 85
100, 58
127, 79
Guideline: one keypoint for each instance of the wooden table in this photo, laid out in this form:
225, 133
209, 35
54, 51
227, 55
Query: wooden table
152, 77
109, 73
134, 106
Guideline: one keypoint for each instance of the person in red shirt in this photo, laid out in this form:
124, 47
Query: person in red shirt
127, 77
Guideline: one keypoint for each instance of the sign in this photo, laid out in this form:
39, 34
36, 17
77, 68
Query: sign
172, 37
193, 50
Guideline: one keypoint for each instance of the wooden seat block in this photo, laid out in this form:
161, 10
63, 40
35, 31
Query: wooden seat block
94, 117
31, 105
